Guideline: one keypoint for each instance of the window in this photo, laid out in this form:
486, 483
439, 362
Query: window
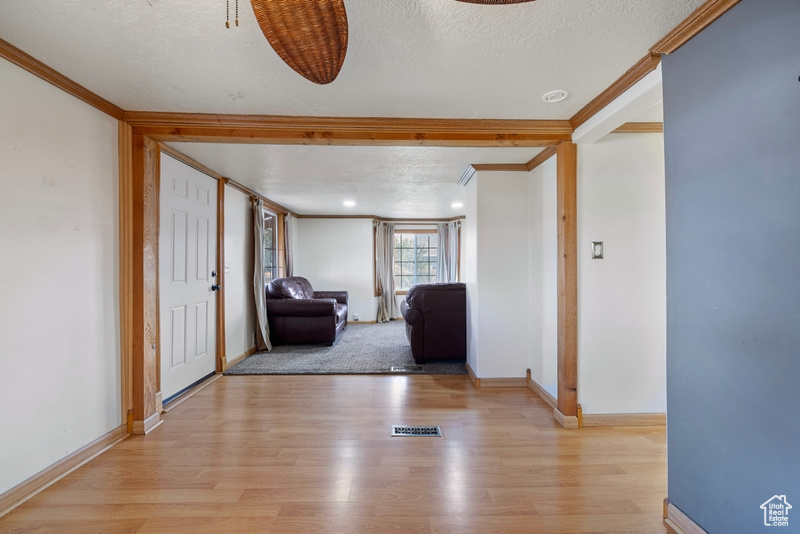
415, 259
270, 246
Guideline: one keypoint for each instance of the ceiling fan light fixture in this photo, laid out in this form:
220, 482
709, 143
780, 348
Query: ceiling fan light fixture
309, 35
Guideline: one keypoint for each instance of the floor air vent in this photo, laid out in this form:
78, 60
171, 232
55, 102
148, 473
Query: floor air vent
406, 368
421, 431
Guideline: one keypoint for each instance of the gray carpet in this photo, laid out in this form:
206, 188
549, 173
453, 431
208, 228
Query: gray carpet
360, 349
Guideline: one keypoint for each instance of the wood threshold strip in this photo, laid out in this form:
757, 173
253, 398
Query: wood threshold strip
641, 127
362, 131
52, 76
642, 68
50, 475
698, 21
680, 522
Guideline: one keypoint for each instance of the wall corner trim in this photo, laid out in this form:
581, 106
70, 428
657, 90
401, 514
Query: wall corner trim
566, 421
50, 475
678, 521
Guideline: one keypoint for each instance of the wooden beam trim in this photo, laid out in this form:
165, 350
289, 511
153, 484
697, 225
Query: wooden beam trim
189, 161
221, 342
347, 131
147, 119
641, 127
269, 204
566, 185
52, 76
126, 278
384, 219
50, 475
541, 157
515, 167
698, 21
642, 68
347, 137
144, 278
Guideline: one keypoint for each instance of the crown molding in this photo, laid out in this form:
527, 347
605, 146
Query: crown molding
541, 157
52, 76
642, 68
641, 127
698, 21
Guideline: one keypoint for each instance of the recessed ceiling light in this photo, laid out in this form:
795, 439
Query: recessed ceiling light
457, 204
349, 203
555, 96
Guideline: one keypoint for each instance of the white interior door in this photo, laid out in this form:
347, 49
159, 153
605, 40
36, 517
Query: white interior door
187, 260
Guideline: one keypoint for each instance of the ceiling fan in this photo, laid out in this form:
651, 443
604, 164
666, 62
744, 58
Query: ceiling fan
311, 35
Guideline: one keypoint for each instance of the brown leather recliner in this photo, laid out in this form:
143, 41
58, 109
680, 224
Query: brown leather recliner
436, 321
298, 314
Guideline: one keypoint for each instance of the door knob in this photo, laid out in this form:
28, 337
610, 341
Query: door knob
215, 287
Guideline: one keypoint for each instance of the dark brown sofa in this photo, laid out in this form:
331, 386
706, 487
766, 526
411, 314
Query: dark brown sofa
298, 314
436, 321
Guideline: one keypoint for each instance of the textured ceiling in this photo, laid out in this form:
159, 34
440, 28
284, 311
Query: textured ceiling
399, 182
406, 58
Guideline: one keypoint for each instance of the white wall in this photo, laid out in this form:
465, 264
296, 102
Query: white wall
622, 298
544, 281
59, 317
240, 321
500, 286
337, 254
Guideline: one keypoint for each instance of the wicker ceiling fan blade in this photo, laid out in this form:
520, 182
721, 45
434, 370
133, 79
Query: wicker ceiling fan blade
309, 35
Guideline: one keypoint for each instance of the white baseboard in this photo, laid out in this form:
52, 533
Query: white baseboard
50, 475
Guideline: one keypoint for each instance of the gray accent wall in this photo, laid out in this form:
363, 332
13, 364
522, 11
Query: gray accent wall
732, 146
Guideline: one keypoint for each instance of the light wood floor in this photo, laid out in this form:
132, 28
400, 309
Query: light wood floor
313, 454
